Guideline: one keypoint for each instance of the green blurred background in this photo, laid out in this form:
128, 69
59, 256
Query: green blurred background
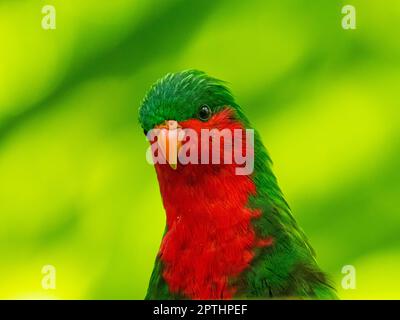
75, 188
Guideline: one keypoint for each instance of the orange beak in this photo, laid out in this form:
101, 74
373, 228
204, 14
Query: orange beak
169, 141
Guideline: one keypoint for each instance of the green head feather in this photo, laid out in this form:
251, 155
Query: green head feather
179, 96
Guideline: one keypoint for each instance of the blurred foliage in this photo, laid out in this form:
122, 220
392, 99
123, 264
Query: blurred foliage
75, 188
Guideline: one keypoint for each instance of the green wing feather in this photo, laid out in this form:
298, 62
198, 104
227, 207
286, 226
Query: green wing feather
287, 269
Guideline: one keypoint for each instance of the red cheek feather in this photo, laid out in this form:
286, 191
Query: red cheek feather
210, 239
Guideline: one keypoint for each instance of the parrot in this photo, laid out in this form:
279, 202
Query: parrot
227, 235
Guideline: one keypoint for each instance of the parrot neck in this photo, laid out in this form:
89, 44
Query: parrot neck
210, 239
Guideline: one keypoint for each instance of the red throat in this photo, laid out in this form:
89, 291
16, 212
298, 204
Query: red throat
210, 239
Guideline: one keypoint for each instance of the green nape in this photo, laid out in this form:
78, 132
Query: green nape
288, 268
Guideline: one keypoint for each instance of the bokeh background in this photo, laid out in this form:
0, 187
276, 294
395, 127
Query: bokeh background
76, 191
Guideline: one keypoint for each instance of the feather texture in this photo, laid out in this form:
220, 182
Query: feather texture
227, 236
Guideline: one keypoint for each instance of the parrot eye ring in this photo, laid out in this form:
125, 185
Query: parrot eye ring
204, 112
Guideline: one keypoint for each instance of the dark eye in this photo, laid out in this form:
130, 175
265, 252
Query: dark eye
204, 113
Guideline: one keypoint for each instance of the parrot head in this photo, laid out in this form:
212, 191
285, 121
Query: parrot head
189, 100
